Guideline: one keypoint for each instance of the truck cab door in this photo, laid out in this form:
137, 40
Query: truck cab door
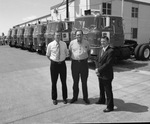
117, 38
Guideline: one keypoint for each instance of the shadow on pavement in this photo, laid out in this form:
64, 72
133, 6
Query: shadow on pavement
129, 107
131, 64
124, 65
119, 104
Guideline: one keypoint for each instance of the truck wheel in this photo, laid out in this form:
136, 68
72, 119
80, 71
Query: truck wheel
144, 52
136, 51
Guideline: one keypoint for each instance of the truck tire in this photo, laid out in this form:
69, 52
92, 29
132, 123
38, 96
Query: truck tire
136, 51
144, 52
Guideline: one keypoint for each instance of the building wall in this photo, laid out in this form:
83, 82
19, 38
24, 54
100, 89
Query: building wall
127, 19
144, 24
95, 4
80, 6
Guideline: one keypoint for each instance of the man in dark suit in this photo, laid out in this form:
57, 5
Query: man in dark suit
104, 71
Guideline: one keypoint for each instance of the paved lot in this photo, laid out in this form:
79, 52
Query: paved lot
25, 96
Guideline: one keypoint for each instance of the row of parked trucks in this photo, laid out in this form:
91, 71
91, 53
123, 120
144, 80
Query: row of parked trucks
36, 37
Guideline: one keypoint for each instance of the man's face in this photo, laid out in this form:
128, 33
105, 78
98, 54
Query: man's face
79, 35
104, 42
57, 36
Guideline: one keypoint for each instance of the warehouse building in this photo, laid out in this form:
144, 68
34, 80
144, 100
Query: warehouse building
135, 13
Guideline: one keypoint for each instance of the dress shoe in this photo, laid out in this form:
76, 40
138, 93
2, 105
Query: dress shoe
65, 101
100, 102
73, 100
86, 101
55, 102
108, 110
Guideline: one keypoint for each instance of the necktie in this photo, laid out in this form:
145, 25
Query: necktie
102, 52
58, 51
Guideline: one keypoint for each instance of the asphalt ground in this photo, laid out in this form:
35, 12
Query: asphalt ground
25, 92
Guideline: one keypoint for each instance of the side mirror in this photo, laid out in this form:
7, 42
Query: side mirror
66, 26
107, 21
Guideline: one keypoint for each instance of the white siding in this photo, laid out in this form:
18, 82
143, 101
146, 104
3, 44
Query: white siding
144, 24
95, 4
116, 8
127, 19
80, 6
62, 13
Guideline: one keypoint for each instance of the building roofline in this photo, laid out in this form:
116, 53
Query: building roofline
138, 2
60, 4
63, 3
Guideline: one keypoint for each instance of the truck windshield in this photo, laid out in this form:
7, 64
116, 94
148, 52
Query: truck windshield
48, 28
39, 29
53, 27
57, 27
67, 26
28, 31
9, 33
84, 23
14, 32
20, 31
35, 30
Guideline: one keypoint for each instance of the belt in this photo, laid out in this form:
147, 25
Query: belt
82, 60
60, 62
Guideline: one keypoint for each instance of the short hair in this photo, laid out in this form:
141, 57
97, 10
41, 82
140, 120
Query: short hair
105, 37
78, 30
57, 32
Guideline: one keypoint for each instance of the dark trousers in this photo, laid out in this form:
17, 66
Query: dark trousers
105, 86
79, 69
56, 69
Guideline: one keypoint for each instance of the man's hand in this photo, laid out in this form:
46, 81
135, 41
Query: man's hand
96, 71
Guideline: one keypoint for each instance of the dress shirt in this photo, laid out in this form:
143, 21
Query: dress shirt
79, 51
104, 48
52, 51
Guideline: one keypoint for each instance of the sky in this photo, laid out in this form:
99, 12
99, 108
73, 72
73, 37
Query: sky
13, 12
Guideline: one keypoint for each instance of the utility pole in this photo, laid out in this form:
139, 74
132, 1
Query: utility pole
67, 9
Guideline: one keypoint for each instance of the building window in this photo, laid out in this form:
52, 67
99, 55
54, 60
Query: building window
106, 8
134, 32
134, 13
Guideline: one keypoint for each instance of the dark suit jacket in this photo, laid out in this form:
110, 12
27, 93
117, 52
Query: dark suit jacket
105, 64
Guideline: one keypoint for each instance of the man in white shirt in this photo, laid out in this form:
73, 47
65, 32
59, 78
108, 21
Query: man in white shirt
79, 52
57, 53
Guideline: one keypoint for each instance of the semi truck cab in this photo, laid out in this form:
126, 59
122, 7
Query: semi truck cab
14, 37
20, 36
9, 37
65, 27
38, 38
28, 37
96, 26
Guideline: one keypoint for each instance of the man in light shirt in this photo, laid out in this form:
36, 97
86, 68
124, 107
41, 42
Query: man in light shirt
57, 53
79, 52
